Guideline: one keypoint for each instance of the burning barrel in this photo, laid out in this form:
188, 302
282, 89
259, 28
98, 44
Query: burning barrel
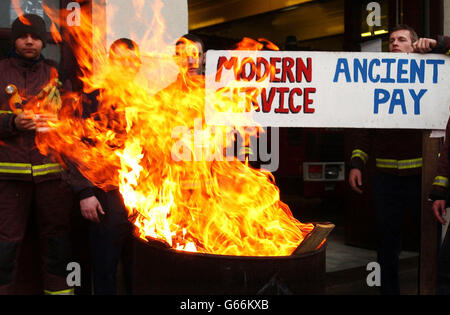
163, 270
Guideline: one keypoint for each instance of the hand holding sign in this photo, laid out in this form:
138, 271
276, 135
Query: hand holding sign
424, 45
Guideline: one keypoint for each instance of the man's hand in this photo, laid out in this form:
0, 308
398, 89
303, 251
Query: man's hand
90, 208
439, 210
424, 45
25, 121
43, 119
355, 180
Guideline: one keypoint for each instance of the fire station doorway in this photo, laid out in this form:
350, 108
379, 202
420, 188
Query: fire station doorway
331, 25
305, 154
311, 172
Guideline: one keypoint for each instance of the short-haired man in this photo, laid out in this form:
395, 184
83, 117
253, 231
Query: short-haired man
440, 195
397, 182
190, 58
190, 55
110, 230
29, 180
189, 85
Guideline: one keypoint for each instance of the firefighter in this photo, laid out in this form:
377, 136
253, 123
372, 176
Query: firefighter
397, 181
439, 196
29, 180
439, 191
185, 91
190, 58
111, 233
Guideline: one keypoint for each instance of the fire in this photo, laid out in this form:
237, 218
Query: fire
260, 44
18, 9
56, 35
170, 166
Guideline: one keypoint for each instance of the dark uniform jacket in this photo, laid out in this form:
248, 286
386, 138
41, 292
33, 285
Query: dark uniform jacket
81, 186
397, 152
19, 157
439, 189
112, 118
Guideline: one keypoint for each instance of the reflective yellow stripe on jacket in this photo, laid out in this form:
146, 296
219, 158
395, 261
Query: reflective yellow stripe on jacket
26, 168
46, 169
61, 292
399, 164
441, 181
361, 154
15, 168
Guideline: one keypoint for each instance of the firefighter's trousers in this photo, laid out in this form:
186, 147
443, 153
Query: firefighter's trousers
392, 196
111, 243
52, 202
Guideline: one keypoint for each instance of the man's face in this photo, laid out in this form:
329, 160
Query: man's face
125, 60
29, 46
400, 41
190, 58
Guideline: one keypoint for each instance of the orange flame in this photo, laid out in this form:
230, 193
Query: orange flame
54, 17
171, 168
19, 12
55, 33
260, 44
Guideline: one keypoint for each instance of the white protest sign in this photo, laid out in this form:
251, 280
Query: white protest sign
329, 89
